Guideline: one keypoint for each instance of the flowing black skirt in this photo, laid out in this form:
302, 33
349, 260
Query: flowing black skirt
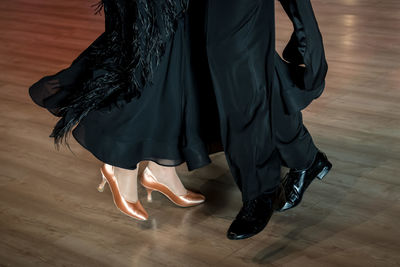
175, 120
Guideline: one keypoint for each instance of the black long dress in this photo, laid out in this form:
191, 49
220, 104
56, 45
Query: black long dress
173, 121
175, 118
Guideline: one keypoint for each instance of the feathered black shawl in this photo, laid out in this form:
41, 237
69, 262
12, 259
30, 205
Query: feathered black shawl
123, 59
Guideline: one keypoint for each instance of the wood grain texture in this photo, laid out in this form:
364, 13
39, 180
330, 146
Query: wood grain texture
52, 215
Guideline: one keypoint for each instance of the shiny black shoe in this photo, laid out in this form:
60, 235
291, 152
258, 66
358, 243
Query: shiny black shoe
253, 217
296, 182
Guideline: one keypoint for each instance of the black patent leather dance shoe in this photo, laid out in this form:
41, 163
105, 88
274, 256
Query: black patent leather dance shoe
253, 217
296, 182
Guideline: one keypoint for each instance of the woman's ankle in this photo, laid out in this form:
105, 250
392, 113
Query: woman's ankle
127, 183
167, 176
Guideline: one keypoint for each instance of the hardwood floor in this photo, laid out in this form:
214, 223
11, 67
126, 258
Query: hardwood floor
52, 215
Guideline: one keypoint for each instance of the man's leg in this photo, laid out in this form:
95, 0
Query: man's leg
297, 151
240, 50
295, 144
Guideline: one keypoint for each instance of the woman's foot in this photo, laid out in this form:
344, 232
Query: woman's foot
124, 190
166, 181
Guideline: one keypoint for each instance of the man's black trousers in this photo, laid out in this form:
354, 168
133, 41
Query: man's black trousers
257, 135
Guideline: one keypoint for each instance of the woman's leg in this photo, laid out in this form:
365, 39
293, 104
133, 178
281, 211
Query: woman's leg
168, 177
127, 183
127, 180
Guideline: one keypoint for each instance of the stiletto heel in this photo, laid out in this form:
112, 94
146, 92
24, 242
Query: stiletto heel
149, 181
100, 188
149, 198
132, 209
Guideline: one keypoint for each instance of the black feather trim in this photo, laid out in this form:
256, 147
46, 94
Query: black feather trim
124, 58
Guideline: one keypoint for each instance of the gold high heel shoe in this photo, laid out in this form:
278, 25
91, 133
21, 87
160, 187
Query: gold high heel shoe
134, 210
149, 181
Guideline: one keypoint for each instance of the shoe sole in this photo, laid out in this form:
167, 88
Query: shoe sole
241, 237
245, 236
